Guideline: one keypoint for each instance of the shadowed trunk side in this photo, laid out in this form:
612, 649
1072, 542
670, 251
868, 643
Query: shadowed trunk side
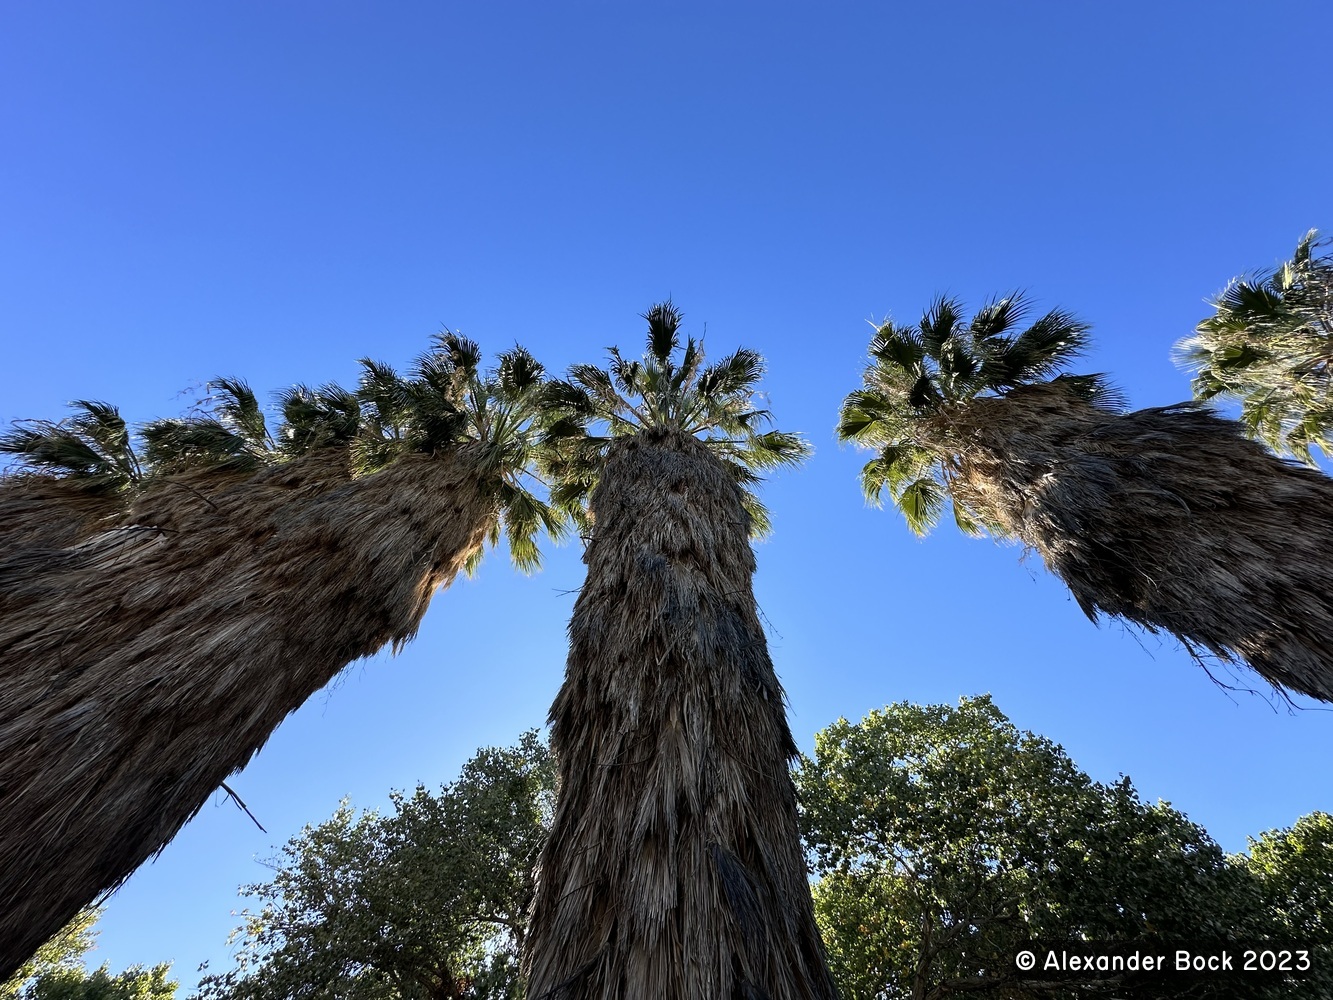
1168, 517
674, 867
49, 512
146, 664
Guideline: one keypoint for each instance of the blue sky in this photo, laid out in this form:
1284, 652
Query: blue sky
273, 190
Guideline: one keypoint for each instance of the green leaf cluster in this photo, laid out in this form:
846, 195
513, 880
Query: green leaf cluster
429, 900
94, 445
944, 838
918, 376
135, 983
1269, 345
670, 389
58, 971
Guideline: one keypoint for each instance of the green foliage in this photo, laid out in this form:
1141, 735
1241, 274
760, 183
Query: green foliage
919, 375
135, 983
668, 390
326, 417
1269, 345
57, 971
426, 902
1294, 871
231, 433
944, 837
94, 445
63, 952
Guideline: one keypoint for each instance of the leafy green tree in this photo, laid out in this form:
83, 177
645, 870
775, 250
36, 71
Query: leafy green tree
168, 624
945, 838
1294, 869
135, 983
1269, 345
674, 867
58, 971
65, 950
426, 903
1167, 517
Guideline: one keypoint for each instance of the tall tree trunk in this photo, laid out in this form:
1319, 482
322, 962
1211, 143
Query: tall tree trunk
1168, 517
145, 664
674, 869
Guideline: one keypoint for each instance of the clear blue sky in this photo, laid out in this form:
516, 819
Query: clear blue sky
272, 190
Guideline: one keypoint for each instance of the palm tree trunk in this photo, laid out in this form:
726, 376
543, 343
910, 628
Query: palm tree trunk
674, 868
46, 512
1168, 517
146, 664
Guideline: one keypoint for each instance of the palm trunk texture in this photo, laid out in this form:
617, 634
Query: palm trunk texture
145, 664
42, 511
1168, 517
674, 868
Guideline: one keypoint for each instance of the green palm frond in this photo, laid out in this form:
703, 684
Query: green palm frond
231, 433
518, 376
423, 412
1269, 345
663, 326
234, 405
94, 446
919, 376
326, 417
669, 389
384, 395
446, 400
175, 444
922, 502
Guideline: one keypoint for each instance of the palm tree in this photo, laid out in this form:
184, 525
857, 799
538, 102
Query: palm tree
149, 661
1269, 344
674, 867
1168, 517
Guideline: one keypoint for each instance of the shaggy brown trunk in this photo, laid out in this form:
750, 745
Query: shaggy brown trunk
1168, 517
144, 665
674, 869
48, 512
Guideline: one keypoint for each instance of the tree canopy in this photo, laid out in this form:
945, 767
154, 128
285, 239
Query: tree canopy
669, 389
945, 838
428, 901
920, 375
58, 971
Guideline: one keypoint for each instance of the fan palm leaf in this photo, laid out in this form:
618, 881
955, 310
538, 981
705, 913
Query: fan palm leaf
1269, 346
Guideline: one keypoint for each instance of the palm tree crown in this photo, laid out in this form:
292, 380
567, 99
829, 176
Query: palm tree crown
1269, 344
444, 402
668, 391
917, 384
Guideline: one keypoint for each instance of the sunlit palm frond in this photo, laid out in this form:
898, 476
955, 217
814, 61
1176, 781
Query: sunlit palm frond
1269, 345
918, 377
669, 390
